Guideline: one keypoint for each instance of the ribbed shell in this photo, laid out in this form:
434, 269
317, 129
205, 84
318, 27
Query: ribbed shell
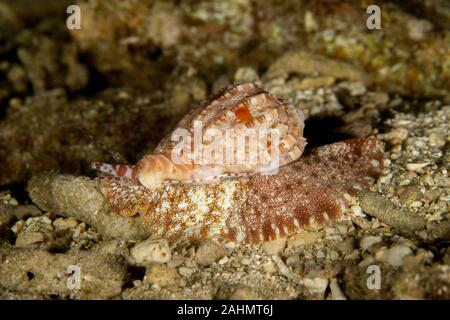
235, 109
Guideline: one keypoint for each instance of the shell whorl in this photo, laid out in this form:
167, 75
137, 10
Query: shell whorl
239, 131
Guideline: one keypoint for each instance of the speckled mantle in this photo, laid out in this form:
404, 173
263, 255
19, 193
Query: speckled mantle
311, 191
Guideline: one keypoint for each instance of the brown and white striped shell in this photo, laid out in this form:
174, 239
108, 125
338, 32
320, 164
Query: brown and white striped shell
253, 132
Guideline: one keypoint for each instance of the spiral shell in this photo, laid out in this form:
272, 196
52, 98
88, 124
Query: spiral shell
239, 131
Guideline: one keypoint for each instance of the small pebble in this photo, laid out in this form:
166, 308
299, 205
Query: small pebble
428, 180
243, 293
385, 179
185, 271
416, 166
394, 255
404, 182
274, 247
357, 211
26, 239
246, 74
336, 291
176, 261
436, 140
304, 237
369, 241
320, 254
208, 252
346, 246
367, 261
65, 223
223, 260
18, 226
292, 260
161, 276
416, 204
409, 194
333, 255
150, 251
396, 136
316, 285
342, 229
270, 267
